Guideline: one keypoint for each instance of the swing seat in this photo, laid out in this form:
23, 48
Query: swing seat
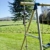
46, 46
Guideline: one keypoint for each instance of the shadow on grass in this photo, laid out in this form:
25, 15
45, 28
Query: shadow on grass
10, 25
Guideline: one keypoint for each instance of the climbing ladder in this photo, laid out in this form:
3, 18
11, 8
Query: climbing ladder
38, 24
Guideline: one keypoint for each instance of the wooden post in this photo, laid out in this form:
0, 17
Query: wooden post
27, 28
39, 32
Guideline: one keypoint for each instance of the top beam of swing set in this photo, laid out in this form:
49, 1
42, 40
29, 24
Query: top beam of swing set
31, 3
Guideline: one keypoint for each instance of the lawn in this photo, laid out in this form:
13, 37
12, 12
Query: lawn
12, 34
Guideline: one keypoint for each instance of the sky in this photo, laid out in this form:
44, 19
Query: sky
4, 7
42, 1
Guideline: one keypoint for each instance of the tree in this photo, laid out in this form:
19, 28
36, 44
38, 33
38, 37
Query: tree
45, 19
17, 10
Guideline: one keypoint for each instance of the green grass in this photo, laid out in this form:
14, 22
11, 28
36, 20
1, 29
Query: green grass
12, 34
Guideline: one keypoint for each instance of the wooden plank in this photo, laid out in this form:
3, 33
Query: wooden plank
32, 36
31, 3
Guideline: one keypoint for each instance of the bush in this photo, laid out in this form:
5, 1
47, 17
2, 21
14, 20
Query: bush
45, 19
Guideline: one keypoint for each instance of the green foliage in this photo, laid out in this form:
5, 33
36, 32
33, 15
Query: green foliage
16, 8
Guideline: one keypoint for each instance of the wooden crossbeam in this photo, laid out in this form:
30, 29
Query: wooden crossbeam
31, 3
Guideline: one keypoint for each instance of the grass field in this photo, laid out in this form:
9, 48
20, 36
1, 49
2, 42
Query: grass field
12, 34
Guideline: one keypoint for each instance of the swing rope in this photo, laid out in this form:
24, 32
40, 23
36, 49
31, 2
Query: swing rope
25, 27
